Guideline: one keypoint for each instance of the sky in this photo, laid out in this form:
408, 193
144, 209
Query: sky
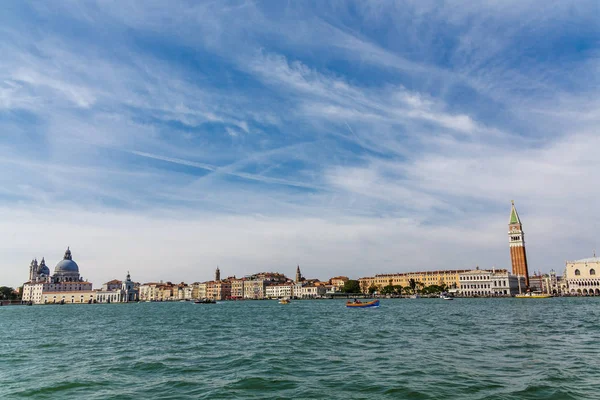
347, 137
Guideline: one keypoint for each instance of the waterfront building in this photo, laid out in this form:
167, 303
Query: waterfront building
185, 292
200, 290
210, 290
311, 292
237, 288
165, 292
450, 278
551, 283
195, 290
516, 242
332, 289
115, 284
536, 283
279, 291
254, 289
480, 282
582, 276
222, 290
338, 281
74, 296
66, 284
366, 282
147, 291
297, 289
154, 291
116, 291
182, 291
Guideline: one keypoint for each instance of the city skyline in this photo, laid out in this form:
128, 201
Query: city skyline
344, 137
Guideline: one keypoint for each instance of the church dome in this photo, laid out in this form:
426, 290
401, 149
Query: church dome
67, 264
44, 270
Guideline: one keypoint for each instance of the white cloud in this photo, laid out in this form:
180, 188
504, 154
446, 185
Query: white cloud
189, 247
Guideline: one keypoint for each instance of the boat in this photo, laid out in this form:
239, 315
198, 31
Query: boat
445, 296
284, 301
359, 304
205, 301
415, 296
533, 295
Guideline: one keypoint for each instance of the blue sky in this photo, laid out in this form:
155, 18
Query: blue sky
349, 137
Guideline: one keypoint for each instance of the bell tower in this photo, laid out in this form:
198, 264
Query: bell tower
516, 242
217, 275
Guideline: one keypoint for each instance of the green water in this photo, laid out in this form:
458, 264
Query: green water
406, 349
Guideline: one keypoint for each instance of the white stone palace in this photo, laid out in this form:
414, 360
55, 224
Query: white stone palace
582, 277
64, 286
116, 291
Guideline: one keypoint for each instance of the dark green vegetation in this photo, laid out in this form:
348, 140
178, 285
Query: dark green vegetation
8, 293
414, 287
351, 286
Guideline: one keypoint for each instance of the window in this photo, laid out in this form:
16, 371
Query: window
592, 271
577, 273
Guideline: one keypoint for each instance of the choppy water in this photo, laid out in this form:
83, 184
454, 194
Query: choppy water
417, 349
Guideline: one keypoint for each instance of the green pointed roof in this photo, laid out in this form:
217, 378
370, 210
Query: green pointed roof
514, 217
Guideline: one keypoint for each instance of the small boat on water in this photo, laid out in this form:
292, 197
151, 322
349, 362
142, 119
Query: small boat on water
284, 301
415, 296
445, 296
359, 304
533, 295
205, 301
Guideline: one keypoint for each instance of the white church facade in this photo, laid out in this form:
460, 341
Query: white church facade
67, 286
64, 286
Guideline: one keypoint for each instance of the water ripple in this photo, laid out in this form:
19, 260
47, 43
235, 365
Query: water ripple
409, 349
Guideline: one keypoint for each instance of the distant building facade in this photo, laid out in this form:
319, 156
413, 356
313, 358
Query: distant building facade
310, 292
65, 286
279, 291
450, 278
201, 290
582, 276
552, 283
339, 281
237, 288
254, 289
116, 291
484, 283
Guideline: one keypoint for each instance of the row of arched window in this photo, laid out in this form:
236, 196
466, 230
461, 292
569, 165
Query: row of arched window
585, 283
592, 272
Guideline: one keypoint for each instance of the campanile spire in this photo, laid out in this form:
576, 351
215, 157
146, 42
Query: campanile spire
516, 241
